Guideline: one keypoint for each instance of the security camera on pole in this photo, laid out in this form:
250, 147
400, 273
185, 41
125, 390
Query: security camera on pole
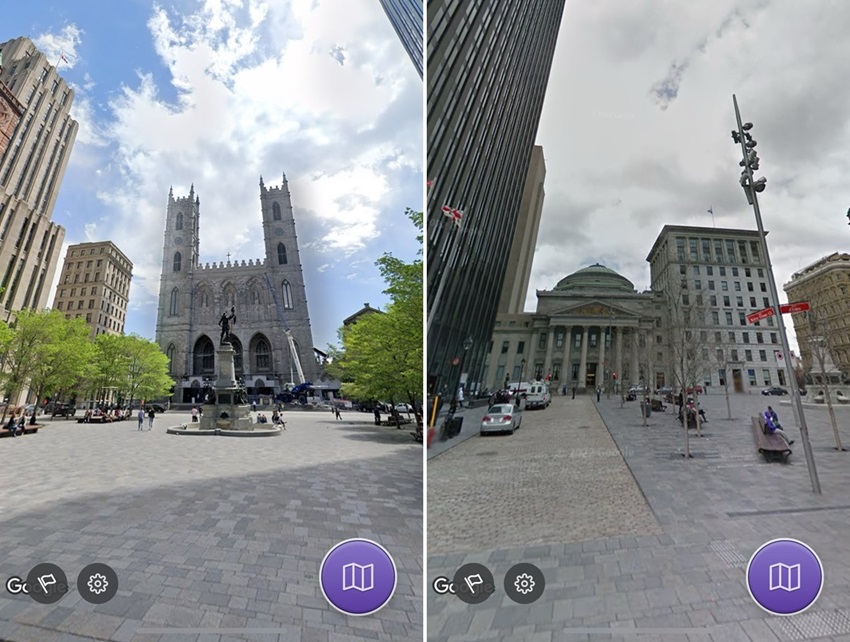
752, 187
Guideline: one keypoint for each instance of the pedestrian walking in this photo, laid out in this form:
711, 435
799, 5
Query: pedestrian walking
377, 416
194, 413
598, 393
574, 392
564, 390
151, 415
336, 412
141, 418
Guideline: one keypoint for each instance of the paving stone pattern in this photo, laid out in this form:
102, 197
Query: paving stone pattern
685, 580
223, 535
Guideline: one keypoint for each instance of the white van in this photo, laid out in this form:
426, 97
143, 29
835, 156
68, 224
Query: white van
538, 395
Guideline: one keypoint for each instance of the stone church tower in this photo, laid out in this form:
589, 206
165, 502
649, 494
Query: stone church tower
192, 298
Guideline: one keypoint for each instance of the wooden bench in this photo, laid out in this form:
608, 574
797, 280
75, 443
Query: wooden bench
773, 447
28, 430
101, 419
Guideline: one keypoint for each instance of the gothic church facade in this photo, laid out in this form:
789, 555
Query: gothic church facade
192, 298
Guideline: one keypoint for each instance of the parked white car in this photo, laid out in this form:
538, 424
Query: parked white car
505, 417
538, 395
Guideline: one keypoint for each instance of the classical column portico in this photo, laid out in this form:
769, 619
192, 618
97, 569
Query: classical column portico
634, 368
566, 366
619, 359
582, 369
600, 367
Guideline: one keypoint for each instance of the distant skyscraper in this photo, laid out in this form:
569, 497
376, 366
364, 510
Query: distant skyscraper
488, 68
36, 138
95, 284
406, 18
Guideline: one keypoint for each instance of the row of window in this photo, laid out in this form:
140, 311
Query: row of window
724, 285
178, 220
177, 262
709, 271
230, 296
735, 252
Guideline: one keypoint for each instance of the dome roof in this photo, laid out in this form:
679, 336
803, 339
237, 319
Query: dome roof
595, 277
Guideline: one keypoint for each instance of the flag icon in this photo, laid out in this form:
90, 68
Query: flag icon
454, 214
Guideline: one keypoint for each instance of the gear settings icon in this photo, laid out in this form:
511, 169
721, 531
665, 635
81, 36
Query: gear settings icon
524, 583
97, 584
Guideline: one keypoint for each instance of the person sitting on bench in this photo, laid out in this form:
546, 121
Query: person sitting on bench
772, 425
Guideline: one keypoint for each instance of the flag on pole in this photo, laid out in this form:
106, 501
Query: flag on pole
62, 57
454, 214
711, 211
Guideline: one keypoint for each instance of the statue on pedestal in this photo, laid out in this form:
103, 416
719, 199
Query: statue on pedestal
225, 322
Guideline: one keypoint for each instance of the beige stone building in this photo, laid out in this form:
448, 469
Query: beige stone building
825, 285
95, 284
39, 135
594, 324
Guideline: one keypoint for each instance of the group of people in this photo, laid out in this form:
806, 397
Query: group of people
141, 415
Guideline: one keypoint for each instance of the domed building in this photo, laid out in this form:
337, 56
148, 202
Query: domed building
592, 329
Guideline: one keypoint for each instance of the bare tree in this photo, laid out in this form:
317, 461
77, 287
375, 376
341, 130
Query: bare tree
724, 362
685, 316
819, 345
647, 362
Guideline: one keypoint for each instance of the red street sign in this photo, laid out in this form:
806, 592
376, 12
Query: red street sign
801, 306
761, 314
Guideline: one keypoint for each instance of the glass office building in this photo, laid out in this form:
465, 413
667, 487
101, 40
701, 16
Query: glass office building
406, 18
488, 68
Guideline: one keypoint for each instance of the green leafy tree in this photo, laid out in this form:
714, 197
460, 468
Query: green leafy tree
109, 367
381, 355
146, 375
64, 356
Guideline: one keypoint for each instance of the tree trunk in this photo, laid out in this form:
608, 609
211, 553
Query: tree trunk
832, 416
728, 406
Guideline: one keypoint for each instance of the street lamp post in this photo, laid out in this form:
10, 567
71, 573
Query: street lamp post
752, 188
521, 370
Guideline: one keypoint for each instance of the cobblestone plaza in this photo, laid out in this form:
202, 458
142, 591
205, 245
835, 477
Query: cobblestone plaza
629, 534
212, 538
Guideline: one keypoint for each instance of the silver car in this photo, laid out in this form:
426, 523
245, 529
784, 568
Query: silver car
503, 417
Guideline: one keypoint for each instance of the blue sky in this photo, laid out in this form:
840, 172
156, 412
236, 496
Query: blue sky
217, 93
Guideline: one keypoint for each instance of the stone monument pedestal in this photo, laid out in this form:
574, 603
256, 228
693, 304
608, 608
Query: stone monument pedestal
227, 414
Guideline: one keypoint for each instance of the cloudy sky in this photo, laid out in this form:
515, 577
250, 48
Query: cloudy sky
217, 93
637, 120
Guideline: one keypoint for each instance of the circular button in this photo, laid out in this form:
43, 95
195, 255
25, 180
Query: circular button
524, 583
47, 583
97, 583
358, 577
785, 577
474, 583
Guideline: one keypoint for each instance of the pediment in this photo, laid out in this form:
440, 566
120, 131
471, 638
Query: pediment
594, 308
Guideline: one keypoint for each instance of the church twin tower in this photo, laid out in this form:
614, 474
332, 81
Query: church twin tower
192, 297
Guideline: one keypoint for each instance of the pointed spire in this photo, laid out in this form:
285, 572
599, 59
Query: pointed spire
261, 181
191, 191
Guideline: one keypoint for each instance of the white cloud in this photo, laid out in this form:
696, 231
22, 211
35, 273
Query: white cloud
258, 93
64, 43
637, 120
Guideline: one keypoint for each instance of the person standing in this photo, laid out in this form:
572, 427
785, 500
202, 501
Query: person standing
141, 418
151, 415
598, 393
337, 413
574, 392
460, 396
194, 413
377, 416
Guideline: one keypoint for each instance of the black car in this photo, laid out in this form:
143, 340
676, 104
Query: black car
774, 390
60, 409
156, 407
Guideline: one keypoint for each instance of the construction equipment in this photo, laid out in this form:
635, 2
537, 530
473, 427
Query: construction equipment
303, 385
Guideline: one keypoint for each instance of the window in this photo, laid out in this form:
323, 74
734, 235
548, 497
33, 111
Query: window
734, 271
726, 302
73, 291
745, 338
749, 286
773, 338
718, 250
748, 355
658, 338
766, 374
709, 270
541, 344
287, 295
718, 337
696, 270
715, 318
88, 264
737, 286
711, 285
506, 345
263, 360
734, 354
686, 299
763, 287
721, 376
739, 301
761, 273
753, 302
577, 343
556, 371
80, 304
559, 338
766, 302
683, 270
59, 305
762, 355
759, 337
204, 356
88, 318
724, 285
713, 299
703, 336
91, 304
94, 291
697, 284
275, 211
520, 348
754, 250
281, 254
747, 272
177, 261
178, 222
730, 251
172, 308
722, 271
83, 292
728, 318
732, 338
592, 340
742, 318
692, 244
170, 354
